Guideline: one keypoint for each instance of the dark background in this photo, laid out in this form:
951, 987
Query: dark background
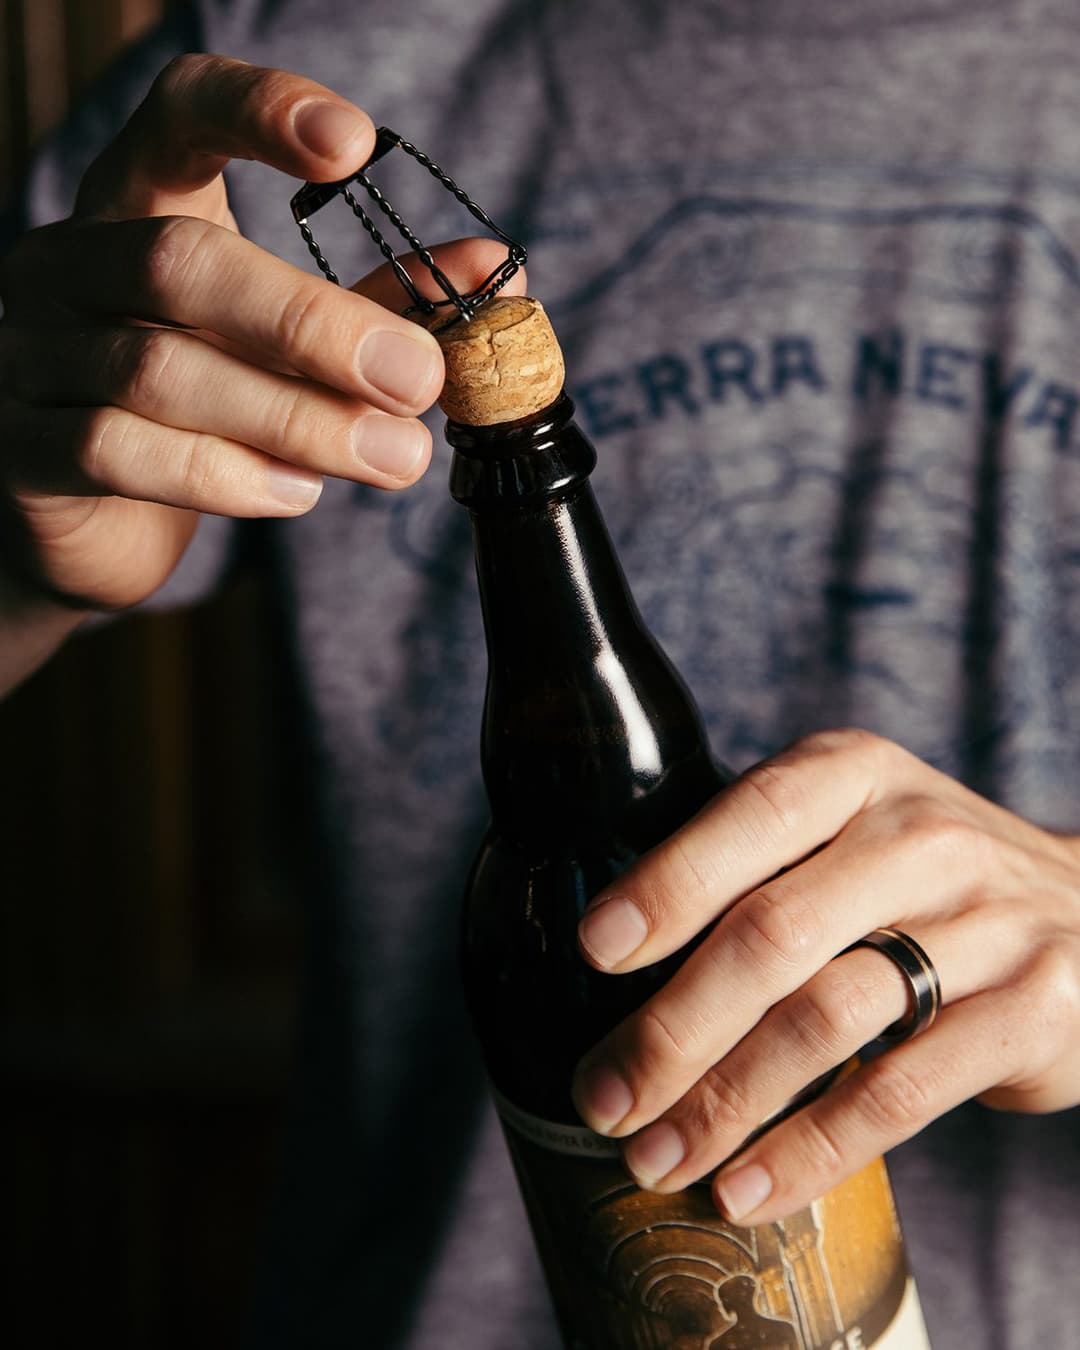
148, 927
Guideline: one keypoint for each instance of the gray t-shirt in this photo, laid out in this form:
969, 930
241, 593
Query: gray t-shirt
816, 269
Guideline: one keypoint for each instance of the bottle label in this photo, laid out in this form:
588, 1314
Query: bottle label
630, 1270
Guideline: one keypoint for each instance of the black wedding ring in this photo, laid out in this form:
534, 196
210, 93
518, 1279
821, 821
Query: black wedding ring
917, 968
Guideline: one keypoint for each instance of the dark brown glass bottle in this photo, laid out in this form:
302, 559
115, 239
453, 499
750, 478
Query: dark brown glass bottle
593, 751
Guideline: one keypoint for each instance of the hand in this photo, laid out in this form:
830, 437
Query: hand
119, 427
800, 857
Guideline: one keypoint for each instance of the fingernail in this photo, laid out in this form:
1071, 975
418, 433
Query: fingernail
743, 1189
602, 1097
389, 444
654, 1153
292, 487
327, 128
404, 367
611, 931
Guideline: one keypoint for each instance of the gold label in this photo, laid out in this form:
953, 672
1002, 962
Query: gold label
630, 1270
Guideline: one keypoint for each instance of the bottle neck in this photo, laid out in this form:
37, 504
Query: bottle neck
519, 464
588, 731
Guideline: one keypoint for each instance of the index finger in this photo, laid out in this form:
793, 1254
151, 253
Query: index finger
774, 815
203, 111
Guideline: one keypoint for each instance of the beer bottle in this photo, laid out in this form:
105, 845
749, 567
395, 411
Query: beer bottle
593, 751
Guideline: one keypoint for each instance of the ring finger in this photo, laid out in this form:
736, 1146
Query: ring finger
87, 452
802, 1039
879, 1106
765, 947
178, 380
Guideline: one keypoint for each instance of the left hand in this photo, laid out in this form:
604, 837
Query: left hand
802, 856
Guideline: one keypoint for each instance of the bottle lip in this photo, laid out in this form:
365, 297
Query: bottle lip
506, 438
536, 458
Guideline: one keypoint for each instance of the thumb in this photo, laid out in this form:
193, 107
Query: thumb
203, 111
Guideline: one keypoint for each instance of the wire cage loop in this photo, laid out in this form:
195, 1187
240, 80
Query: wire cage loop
313, 197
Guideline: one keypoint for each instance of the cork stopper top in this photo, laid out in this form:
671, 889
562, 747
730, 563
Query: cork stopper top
503, 365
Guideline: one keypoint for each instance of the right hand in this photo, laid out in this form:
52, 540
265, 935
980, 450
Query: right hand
116, 429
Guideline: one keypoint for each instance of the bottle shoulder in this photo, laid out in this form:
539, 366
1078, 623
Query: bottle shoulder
536, 1004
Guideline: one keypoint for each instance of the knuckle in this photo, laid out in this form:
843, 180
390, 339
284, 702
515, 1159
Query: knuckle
264, 96
677, 880
930, 828
100, 435
822, 1155
846, 741
171, 248
894, 1100
176, 77
305, 319
876, 758
1053, 988
139, 361
915, 816
292, 422
829, 1020
195, 471
661, 1039
777, 925
782, 790
718, 1106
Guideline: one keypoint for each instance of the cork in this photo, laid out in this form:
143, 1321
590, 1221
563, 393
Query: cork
503, 365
